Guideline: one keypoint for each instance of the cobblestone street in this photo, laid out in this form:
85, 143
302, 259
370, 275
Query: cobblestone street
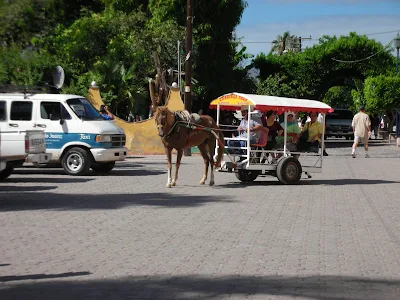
126, 236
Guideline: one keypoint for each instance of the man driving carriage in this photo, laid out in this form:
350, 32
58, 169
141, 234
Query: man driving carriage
255, 126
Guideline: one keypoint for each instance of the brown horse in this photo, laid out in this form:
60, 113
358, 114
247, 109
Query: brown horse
179, 137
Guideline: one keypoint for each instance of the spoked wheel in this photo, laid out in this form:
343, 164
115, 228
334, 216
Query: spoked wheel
289, 170
246, 175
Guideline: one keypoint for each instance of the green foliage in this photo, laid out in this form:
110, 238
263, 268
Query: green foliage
23, 22
283, 42
276, 85
27, 67
316, 69
382, 93
215, 48
339, 96
358, 99
112, 42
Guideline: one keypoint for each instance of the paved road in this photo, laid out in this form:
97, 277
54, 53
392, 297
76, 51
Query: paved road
125, 236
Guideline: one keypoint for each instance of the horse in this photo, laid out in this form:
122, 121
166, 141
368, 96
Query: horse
175, 136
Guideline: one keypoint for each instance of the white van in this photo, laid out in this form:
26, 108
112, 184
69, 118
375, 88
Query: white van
76, 134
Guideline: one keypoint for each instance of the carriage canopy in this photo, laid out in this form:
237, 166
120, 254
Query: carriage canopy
233, 101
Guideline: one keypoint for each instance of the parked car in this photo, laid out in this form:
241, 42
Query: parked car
338, 124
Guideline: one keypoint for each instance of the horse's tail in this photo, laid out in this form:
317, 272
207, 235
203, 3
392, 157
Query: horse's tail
221, 149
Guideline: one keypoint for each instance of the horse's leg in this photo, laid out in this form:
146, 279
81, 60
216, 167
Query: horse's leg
203, 150
177, 165
168, 151
211, 148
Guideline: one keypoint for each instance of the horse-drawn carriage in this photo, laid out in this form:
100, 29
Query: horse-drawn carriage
253, 160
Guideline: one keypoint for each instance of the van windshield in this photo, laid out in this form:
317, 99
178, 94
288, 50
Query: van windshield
84, 109
340, 114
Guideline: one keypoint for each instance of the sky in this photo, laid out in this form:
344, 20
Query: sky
263, 20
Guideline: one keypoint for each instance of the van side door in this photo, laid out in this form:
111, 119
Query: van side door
22, 115
54, 119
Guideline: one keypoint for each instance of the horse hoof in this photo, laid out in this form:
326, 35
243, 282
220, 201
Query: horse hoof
212, 183
173, 183
202, 182
168, 185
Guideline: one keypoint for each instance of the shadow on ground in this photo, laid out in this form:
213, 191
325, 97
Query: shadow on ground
333, 182
28, 179
16, 201
5, 190
118, 171
200, 287
350, 181
41, 276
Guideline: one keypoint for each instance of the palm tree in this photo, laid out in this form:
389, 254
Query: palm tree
283, 42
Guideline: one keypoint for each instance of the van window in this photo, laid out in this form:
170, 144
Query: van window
83, 109
3, 111
53, 111
21, 111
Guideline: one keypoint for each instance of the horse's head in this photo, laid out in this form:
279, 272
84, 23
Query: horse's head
164, 120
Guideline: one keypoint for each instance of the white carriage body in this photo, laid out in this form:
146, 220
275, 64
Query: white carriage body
251, 161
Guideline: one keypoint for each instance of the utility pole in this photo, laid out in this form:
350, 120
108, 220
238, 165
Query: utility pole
179, 67
300, 39
188, 64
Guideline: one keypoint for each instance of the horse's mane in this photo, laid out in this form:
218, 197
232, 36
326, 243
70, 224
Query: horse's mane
161, 109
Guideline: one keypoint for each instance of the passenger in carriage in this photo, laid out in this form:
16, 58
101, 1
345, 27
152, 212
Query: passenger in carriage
255, 129
311, 135
293, 133
275, 129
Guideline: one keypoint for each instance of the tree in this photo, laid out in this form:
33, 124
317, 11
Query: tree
382, 95
277, 85
113, 41
283, 42
339, 96
22, 22
214, 43
317, 69
29, 67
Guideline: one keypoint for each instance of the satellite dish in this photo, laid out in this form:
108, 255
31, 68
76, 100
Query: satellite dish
58, 77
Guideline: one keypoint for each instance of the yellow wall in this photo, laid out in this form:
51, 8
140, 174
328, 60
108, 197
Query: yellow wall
141, 137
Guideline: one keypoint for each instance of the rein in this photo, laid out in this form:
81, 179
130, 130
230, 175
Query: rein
192, 126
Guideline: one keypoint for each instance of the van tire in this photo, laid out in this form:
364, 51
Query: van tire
76, 161
103, 167
6, 172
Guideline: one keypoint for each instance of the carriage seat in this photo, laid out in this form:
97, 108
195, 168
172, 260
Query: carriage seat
184, 115
262, 142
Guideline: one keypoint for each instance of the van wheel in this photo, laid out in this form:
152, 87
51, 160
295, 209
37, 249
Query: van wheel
289, 170
103, 167
246, 175
76, 161
6, 172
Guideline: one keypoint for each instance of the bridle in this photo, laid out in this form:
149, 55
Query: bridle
161, 126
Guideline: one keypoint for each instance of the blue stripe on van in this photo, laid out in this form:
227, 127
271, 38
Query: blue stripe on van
56, 140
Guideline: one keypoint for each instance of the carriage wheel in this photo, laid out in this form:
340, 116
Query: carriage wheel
246, 175
289, 170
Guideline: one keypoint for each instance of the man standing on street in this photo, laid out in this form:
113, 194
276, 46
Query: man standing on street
362, 131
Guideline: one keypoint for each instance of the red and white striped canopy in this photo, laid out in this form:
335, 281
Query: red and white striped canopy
234, 101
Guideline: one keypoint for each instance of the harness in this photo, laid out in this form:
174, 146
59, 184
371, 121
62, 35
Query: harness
184, 119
